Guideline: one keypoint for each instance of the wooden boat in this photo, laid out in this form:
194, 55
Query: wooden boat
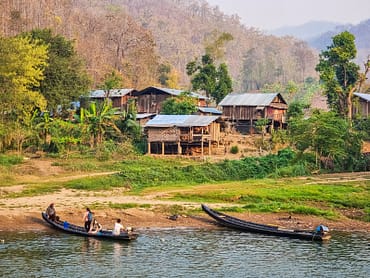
320, 234
78, 230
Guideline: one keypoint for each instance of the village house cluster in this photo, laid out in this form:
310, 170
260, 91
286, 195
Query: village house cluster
204, 132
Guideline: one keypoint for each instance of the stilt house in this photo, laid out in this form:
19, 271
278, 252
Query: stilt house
182, 134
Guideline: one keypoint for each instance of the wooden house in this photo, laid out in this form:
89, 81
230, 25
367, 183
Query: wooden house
150, 100
182, 134
361, 105
118, 97
244, 109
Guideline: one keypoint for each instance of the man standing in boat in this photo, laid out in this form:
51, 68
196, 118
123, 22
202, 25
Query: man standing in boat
88, 217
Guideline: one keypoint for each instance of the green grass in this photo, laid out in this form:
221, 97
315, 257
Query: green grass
10, 160
87, 165
98, 205
97, 183
229, 182
293, 196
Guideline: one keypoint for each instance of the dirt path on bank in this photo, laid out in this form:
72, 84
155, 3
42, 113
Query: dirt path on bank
151, 211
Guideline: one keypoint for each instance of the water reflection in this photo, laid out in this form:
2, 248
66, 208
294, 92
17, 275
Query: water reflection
90, 245
183, 253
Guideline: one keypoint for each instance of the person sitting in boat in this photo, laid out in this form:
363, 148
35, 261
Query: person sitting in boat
117, 228
321, 229
50, 211
96, 227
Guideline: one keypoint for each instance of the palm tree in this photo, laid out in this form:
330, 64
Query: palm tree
44, 126
128, 124
97, 120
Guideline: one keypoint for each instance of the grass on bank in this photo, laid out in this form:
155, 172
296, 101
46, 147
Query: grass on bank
241, 183
283, 195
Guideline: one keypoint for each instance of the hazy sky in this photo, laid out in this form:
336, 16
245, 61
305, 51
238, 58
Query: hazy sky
272, 14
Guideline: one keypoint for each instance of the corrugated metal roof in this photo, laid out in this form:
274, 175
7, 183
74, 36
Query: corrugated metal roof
248, 99
363, 96
176, 92
212, 110
180, 120
112, 93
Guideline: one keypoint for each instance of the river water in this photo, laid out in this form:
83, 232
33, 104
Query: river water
183, 253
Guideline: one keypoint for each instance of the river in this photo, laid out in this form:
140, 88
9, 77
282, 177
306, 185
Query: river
183, 253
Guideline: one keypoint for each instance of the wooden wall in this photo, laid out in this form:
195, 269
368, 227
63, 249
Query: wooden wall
184, 134
150, 103
163, 134
241, 112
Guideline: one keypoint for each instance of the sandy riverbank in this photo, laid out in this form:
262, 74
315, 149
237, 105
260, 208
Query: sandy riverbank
24, 214
29, 219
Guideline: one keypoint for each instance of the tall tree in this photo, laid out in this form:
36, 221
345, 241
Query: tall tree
215, 82
340, 75
65, 76
224, 84
22, 62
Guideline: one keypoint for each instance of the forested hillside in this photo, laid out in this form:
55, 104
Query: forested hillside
136, 36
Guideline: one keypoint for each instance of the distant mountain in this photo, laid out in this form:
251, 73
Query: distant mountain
361, 32
319, 34
305, 31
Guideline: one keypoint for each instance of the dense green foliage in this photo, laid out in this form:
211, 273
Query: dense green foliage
184, 104
65, 78
98, 121
22, 62
363, 126
330, 138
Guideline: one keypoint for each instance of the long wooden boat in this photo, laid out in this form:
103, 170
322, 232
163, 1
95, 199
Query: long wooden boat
320, 234
78, 230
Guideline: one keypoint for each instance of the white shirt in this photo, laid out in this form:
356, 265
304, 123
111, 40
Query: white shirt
117, 229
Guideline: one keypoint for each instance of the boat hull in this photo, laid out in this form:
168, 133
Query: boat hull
80, 231
238, 224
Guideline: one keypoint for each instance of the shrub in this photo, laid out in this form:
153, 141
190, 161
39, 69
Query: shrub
8, 160
234, 150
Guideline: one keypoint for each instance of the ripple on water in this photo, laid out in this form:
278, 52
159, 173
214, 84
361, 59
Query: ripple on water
183, 253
